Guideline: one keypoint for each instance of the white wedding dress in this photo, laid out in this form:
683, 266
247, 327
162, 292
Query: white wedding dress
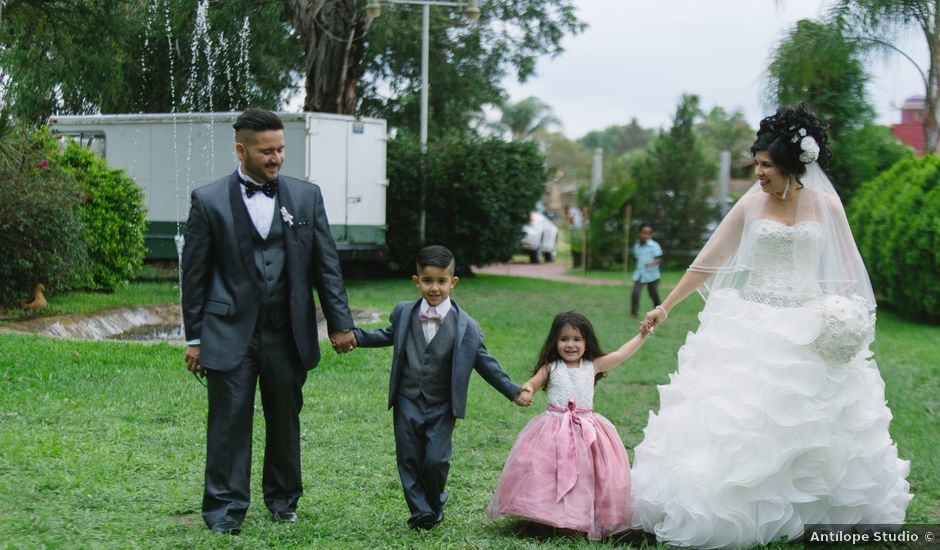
757, 435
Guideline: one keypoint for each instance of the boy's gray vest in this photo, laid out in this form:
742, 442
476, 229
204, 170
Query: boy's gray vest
269, 259
427, 366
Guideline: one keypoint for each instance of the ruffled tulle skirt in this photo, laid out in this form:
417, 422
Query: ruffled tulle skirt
757, 435
598, 503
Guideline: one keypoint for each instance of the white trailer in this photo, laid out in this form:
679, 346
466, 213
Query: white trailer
171, 154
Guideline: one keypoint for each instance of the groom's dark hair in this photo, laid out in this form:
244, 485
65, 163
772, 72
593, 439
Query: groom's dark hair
256, 120
436, 256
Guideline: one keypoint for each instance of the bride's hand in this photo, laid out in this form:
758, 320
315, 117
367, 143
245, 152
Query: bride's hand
654, 318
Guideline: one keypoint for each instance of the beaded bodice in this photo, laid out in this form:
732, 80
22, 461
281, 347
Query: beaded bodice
565, 383
785, 261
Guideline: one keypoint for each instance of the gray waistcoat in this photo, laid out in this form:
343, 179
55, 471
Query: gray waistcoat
427, 366
270, 261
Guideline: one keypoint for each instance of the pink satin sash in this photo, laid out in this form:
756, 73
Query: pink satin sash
566, 449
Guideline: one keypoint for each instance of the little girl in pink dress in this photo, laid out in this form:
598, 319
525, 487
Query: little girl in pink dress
568, 467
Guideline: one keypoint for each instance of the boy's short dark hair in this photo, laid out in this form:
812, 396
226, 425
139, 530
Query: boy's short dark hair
645, 225
257, 120
436, 256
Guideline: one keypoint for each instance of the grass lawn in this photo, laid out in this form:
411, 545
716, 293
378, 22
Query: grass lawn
103, 443
668, 280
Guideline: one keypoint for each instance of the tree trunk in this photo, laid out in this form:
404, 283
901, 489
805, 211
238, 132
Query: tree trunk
931, 121
333, 33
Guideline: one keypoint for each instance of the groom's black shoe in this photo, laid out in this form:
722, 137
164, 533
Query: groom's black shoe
428, 521
284, 517
227, 526
419, 521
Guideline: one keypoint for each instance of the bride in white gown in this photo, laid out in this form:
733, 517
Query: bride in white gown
776, 417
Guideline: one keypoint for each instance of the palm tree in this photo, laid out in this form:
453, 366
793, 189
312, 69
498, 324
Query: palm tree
526, 117
875, 24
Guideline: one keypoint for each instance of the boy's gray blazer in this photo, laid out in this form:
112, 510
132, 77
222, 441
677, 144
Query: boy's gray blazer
469, 354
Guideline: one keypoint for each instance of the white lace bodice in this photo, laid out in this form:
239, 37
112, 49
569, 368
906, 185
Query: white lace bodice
785, 262
565, 383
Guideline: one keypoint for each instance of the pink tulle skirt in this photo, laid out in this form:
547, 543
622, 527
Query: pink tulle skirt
564, 482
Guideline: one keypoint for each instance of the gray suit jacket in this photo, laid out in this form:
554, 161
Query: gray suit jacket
469, 354
221, 284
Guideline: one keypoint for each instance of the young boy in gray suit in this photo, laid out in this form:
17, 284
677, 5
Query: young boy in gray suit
437, 345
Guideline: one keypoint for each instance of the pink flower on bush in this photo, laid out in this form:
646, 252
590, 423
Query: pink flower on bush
86, 198
43, 163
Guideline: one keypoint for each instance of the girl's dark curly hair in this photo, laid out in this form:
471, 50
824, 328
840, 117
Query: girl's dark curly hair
780, 136
549, 353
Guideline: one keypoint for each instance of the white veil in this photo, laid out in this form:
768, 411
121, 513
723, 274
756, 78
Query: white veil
728, 254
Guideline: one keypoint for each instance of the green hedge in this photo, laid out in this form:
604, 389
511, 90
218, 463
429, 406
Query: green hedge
41, 236
113, 215
478, 195
861, 154
896, 221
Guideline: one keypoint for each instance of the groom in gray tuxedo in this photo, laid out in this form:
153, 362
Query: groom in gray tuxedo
257, 244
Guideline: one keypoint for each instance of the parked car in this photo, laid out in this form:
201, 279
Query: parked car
540, 239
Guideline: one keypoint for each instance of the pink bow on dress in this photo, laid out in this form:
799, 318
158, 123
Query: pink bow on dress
566, 449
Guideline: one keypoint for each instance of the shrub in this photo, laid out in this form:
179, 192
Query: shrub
113, 215
478, 195
861, 154
41, 236
896, 221
606, 231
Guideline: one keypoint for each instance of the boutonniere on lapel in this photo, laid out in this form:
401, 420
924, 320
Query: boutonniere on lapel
287, 217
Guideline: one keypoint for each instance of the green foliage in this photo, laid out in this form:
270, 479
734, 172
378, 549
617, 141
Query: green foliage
41, 236
110, 56
674, 182
880, 27
478, 194
568, 160
723, 131
861, 154
616, 140
896, 220
468, 61
819, 65
606, 230
526, 117
113, 216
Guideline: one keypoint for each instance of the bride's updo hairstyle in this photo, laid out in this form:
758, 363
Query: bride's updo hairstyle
784, 136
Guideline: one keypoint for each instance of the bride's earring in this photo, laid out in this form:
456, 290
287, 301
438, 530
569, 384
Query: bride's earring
785, 190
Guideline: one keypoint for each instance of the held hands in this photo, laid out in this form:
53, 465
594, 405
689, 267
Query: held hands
654, 318
192, 361
343, 341
524, 397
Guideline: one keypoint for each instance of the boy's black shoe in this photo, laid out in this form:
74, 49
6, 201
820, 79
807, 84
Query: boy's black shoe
227, 526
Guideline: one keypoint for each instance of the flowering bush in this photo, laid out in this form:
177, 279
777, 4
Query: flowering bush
41, 235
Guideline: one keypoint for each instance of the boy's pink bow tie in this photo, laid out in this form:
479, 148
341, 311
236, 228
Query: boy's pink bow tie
431, 316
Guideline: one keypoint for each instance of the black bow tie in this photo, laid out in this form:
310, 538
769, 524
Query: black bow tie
269, 188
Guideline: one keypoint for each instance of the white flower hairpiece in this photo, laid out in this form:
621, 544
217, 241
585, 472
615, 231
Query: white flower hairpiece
808, 145
810, 149
287, 217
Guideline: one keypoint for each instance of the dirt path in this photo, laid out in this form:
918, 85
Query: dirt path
552, 271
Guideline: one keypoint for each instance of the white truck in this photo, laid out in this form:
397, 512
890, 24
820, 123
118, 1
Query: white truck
171, 154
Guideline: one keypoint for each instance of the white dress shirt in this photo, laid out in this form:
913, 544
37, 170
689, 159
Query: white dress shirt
260, 207
430, 327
